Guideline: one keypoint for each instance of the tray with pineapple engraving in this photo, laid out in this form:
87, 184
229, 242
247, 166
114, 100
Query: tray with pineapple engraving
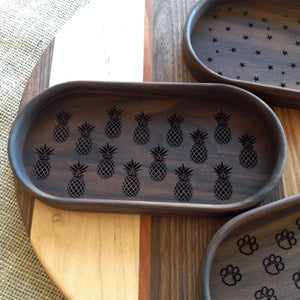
251, 44
256, 255
147, 148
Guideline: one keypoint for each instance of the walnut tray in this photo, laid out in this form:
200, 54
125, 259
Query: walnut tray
251, 44
256, 255
147, 148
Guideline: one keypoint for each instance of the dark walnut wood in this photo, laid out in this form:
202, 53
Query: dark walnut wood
148, 148
254, 45
256, 254
37, 82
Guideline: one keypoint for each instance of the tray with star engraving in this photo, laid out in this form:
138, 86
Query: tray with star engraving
147, 148
256, 255
251, 44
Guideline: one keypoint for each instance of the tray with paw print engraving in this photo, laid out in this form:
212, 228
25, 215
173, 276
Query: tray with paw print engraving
147, 148
251, 44
256, 255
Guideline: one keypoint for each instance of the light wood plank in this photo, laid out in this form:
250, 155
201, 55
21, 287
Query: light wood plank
89, 256
290, 120
104, 42
92, 255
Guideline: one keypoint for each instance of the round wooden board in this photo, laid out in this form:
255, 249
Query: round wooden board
115, 256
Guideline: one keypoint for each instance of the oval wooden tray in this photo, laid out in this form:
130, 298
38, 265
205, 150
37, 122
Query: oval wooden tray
148, 148
252, 44
256, 255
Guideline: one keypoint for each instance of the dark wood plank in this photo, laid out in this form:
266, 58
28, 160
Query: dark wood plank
37, 82
178, 244
145, 257
25, 204
40, 76
177, 248
169, 17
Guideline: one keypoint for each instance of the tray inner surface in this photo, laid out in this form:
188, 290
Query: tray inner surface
131, 137
254, 41
259, 260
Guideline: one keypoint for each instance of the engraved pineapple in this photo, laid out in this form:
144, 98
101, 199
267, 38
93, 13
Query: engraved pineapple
61, 131
183, 189
222, 133
106, 166
223, 187
198, 153
141, 134
248, 156
84, 142
76, 185
131, 183
158, 168
113, 126
41, 169
175, 134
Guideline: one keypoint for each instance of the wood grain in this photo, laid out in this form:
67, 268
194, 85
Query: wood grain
40, 76
261, 245
171, 194
176, 254
177, 247
176, 244
37, 82
253, 46
145, 258
89, 256
290, 120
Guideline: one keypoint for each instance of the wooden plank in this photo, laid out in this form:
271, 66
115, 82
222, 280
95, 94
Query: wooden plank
290, 120
178, 243
145, 258
88, 255
91, 255
37, 82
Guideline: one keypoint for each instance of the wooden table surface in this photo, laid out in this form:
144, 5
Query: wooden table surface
115, 256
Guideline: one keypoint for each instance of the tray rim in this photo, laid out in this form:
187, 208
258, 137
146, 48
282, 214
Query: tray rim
233, 224
272, 95
132, 206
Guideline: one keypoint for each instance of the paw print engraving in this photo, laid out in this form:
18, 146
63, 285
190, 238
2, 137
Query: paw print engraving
247, 245
230, 275
298, 223
296, 279
273, 264
265, 293
285, 239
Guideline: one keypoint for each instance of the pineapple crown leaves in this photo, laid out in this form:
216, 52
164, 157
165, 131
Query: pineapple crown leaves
86, 128
114, 112
175, 120
247, 140
63, 117
78, 169
142, 118
222, 118
44, 152
184, 173
132, 167
159, 153
223, 171
108, 151
199, 136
